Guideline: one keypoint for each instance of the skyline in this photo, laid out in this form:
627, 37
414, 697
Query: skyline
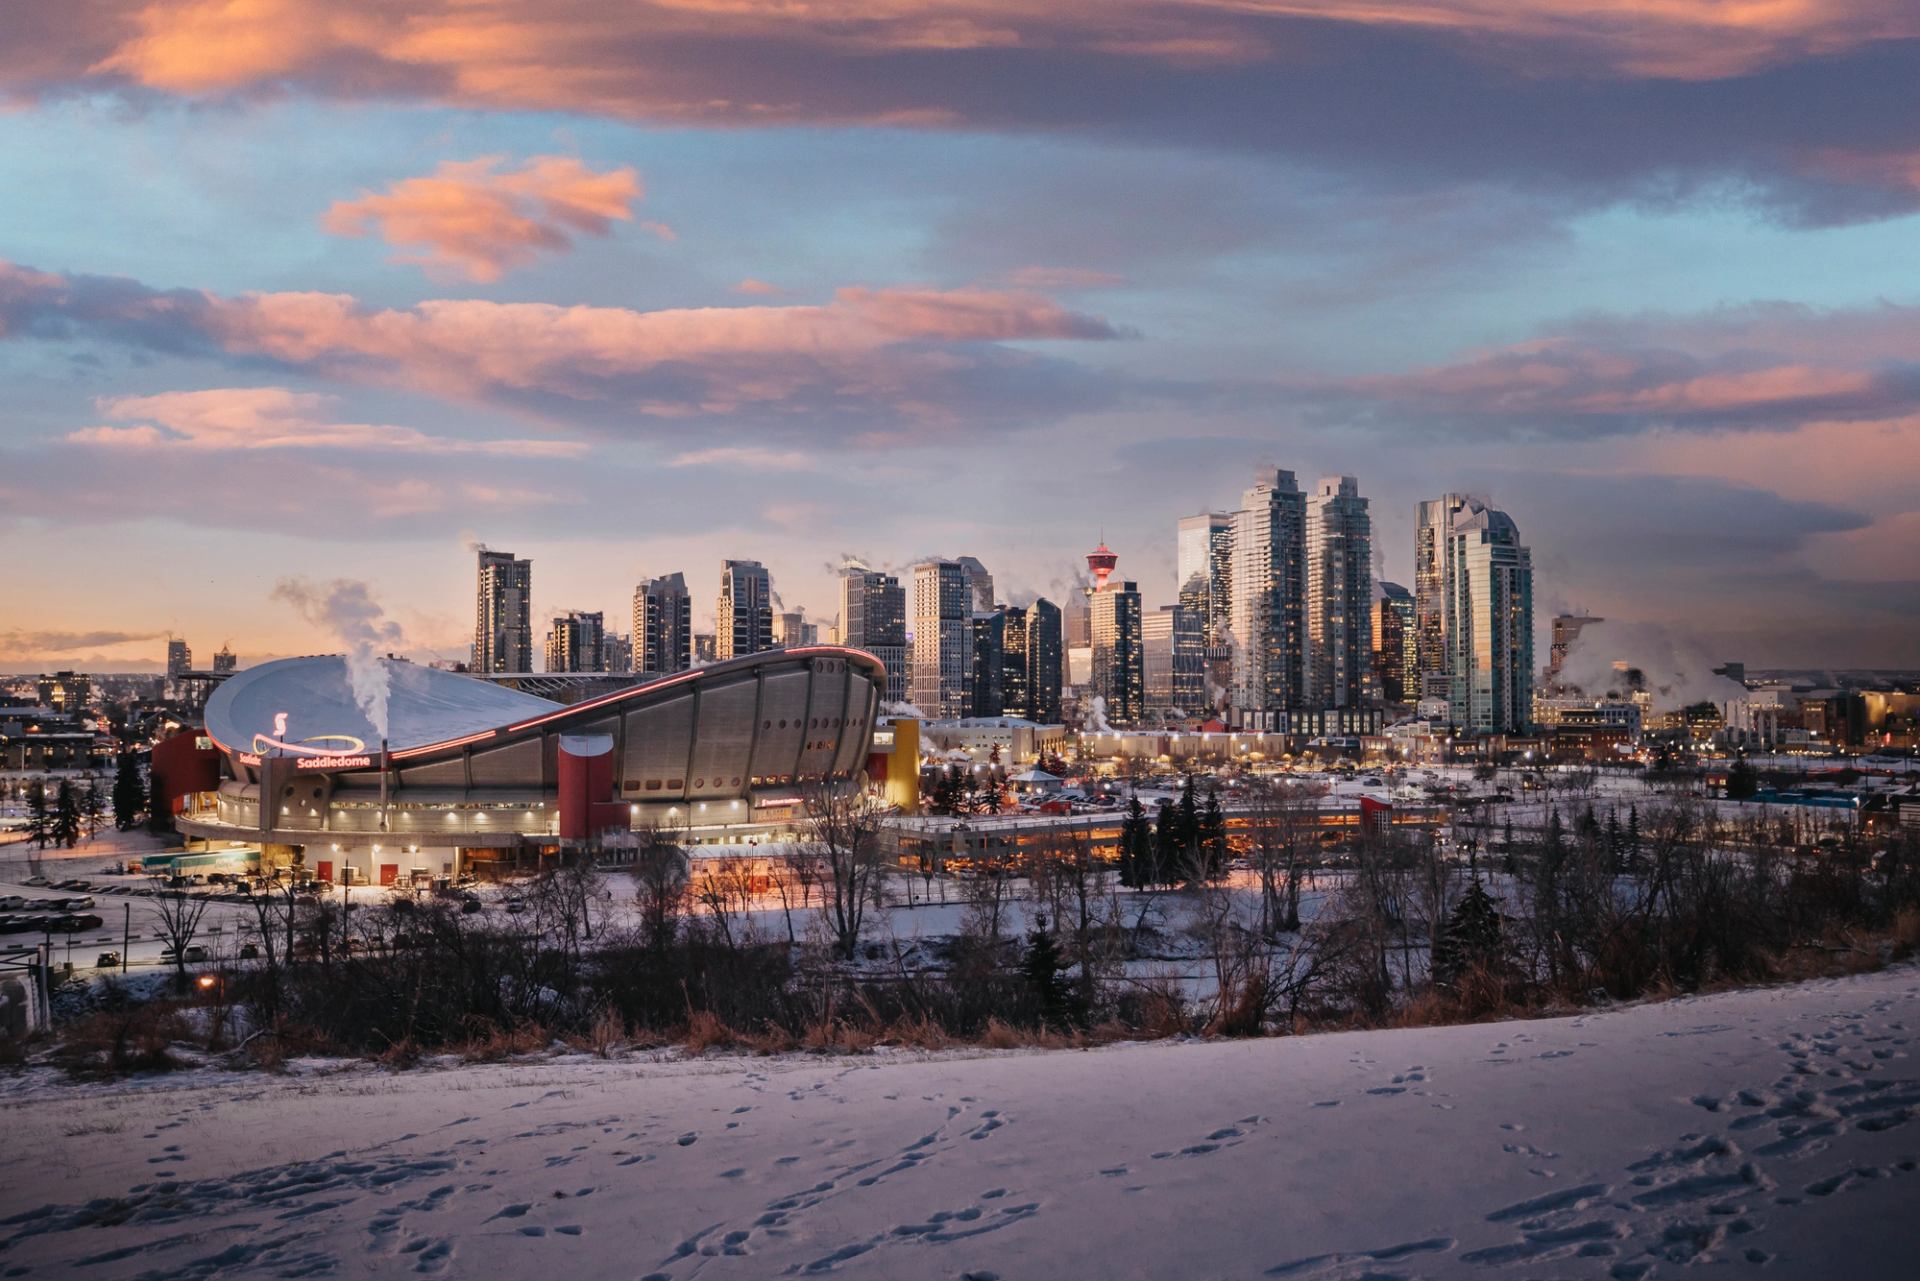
636, 292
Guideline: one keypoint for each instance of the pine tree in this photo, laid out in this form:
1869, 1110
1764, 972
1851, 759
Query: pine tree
1167, 847
1615, 840
1135, 837
127, 792
1742, 781
39, 823
1213, 834
90, 807
1633, 837
1041, 968
1188, 830
158, 820
1470, 939
65, 825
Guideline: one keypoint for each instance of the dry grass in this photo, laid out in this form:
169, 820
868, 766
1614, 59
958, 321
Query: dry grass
119, 1042
707, 1031
496, 1043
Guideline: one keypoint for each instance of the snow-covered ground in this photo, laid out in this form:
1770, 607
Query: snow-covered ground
1771, 1127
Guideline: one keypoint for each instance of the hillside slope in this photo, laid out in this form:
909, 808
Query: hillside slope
1772, 1127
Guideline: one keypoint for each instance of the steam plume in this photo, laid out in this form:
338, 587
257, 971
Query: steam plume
346, 608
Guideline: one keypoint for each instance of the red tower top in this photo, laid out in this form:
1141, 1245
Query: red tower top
1100, 563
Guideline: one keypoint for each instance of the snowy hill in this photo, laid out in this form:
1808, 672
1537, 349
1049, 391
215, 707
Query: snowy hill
1769, 1127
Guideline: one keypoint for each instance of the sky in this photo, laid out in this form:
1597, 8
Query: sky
337, 289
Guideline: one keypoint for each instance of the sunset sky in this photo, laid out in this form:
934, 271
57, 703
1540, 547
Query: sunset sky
337, 288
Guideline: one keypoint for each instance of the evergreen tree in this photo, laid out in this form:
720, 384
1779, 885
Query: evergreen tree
127, 792
1135, 839
65, 825
1167, 849
1213, 834
39, 823
1616, 841
1633, 837
1470, 938
1742, 781
1188, 830
90, 807
1041, 967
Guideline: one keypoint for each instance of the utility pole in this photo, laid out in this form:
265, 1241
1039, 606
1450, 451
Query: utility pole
126, 934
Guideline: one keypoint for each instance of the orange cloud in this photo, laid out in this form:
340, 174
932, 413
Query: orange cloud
913, 352
248, 418
708, 59
473, 218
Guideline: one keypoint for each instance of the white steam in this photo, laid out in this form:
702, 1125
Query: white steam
902, 711
1097, 715
347, 610
1678, 671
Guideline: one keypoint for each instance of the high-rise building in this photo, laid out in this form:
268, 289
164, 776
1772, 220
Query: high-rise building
743, 615
1394, 669
705, 646
1268, 588
873, 617
663, 625
1077, 621
225, 662
1339, 633
791, 628
1015, 695
1431, 546
986, 687
179, 658
942, 638
502, 624
1174, 659
1203, 570
1042, 668
616, 653
1489, 622
1566, 630
577, 642
979, 584
1119, 672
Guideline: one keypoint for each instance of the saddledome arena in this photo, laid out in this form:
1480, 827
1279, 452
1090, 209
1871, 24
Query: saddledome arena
472, 775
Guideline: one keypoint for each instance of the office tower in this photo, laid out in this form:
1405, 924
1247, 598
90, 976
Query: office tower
1203, 570
1430, 551
1041, 670
616, 653
179, 658
1268, 589
1174, 648
502, 626
705, 646
1393, 653
1015, 696
1119, 674
791, 628
979, 584
942, 638
663, 625
986, 688
1566, 630
1339, 657
577, 642
1489, 622
225, 662
66, 691
743, 615
1077, 621
873, 617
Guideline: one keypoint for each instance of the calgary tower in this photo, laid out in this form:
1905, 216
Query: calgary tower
1100, 563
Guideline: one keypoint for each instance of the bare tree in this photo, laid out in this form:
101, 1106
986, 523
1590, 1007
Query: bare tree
723, 889
842, 837
176, 917
1281, 825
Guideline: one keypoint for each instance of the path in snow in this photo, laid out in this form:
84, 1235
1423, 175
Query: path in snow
1770, 1131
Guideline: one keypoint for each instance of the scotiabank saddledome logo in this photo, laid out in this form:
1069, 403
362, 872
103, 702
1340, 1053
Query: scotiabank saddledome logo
316, 751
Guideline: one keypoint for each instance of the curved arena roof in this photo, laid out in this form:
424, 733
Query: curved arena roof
306, 706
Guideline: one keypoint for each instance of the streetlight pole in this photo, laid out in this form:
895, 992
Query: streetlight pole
126, 934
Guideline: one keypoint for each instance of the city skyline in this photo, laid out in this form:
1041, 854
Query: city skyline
296, 298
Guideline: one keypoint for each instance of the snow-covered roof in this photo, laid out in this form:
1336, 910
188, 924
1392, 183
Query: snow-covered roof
316, 698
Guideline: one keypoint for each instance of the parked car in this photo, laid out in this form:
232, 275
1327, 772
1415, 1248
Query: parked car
78, 902
194, 955
249, 951
11, 902
37, 882
242, 886
74, 923
515, 906
107, 961
470, 904
218, 878
74, 884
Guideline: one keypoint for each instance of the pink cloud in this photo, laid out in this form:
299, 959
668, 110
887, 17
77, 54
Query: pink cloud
475, 219
915, 353
756, 287
253, 418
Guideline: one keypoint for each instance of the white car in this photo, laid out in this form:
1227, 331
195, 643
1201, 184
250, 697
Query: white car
12, 903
